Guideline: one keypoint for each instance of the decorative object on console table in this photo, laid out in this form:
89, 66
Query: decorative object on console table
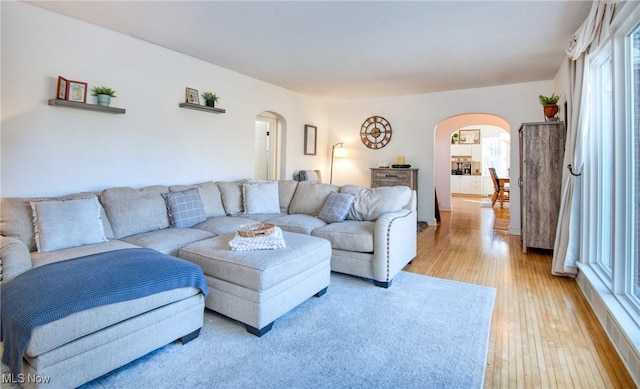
192, 96
61, 92
210, 99
550, 107
104, 95
310, 139
541, 155
77, 91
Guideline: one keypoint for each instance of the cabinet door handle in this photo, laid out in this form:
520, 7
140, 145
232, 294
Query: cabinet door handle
391, 175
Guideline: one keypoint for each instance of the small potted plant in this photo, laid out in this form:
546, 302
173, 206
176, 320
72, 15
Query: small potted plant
210, 99
104, 95
454, 138
550, 105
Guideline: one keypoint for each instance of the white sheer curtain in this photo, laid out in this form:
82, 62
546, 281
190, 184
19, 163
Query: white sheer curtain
589, 36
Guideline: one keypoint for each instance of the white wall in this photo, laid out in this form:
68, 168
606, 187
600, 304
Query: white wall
414, 119
54, 150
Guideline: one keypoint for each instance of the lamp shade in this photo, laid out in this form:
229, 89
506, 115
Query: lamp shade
340, 152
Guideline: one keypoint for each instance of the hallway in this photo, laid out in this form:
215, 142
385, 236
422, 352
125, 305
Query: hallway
543, 332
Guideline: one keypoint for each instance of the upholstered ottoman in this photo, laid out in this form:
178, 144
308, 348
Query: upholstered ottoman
257, 287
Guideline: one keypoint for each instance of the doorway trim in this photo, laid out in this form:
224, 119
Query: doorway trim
443, 132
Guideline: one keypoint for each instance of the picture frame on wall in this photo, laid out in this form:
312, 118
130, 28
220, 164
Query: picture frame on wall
61, 92
310, 139
470, 136
192, 96
77, 91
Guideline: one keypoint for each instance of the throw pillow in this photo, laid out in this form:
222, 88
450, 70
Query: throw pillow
261, 197
336, 207
370, 204
231, 193
61, 224
184, 208
310, 197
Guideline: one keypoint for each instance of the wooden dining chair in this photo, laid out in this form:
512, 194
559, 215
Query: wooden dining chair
500, 191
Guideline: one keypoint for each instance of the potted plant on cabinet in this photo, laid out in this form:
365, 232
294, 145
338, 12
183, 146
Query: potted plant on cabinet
210, 99
454, 138
104, 95
550, 105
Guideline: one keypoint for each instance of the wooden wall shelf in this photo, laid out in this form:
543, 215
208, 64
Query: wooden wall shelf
199, 107
91, 107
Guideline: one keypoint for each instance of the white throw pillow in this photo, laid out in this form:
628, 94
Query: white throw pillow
370, 204
61, 224
261, 197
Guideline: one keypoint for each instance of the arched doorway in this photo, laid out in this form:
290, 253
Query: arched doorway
268, 152
491, 124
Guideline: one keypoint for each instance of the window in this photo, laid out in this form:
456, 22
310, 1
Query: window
602, 136
611, 175
495, 153
634, 132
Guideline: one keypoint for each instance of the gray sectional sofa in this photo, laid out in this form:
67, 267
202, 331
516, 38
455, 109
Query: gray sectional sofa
373, 236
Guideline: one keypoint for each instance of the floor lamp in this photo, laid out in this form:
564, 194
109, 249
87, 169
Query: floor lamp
337, 151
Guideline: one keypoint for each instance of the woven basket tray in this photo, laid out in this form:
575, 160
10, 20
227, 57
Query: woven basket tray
253, 230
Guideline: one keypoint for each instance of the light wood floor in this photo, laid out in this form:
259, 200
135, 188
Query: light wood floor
543, 332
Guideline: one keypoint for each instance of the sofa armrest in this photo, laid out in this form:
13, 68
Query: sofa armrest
15, 258
395, 243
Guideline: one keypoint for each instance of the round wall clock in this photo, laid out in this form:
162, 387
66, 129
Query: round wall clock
375, 132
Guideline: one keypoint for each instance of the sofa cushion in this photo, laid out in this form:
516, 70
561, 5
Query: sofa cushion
101, 323
169, 240
310, 197
302, 224
209, 195
135, 211
184, 208
15, 258
61, 224
336, 207
260, 197
231, 193
370, 204
16, 217
224, 224
39, 259
286, 190
349, 235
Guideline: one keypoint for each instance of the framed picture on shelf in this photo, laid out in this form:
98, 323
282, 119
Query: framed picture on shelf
470, 136
61, 92
192, 96
77, 91
310, 143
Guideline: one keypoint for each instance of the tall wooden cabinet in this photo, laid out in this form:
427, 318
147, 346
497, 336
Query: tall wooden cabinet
541, 156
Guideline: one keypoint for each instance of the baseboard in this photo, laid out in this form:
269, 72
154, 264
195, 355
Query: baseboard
603, 306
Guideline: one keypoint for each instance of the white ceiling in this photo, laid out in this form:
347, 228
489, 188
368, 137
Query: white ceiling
356, 49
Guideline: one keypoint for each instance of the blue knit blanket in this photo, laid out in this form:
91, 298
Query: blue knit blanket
50, 292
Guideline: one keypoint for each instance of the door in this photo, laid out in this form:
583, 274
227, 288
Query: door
265, 155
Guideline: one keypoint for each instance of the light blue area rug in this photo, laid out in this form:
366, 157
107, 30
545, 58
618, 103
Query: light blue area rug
423, 332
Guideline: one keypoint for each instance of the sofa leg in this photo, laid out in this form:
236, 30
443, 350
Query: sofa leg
382, 284
259, 332
322, 292
189, 337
